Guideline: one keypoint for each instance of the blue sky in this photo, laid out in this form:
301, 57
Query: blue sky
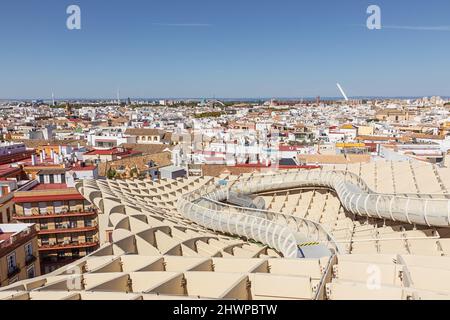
223, 48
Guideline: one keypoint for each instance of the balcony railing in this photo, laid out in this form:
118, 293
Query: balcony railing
59, 261
67, 245
30, 259
12, 271
49, 215
68, 230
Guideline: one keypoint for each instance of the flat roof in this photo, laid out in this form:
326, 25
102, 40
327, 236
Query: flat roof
171, 168
14, 227
53, 171
47, 192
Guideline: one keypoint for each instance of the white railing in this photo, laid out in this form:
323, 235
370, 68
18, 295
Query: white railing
276, 230
306, 230
285, 232
253, 227
357, 197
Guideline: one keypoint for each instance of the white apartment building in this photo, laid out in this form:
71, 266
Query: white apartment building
109, 138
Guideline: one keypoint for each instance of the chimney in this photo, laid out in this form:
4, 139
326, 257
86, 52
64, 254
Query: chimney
33, 160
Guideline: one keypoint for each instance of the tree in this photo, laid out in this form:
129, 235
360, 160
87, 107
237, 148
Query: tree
211, 114
134, 173
111, 173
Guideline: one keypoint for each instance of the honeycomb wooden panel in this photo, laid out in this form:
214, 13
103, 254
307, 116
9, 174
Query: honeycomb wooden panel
159, 254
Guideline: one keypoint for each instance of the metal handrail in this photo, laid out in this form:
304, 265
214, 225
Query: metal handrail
358, 198
189, 206
272, 215
354, 193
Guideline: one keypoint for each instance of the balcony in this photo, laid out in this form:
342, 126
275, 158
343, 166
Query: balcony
29, 259
84, 213
59, 260
68, 230
12, 271
67, 245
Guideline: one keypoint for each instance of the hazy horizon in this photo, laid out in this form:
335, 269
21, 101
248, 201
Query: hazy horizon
220, 98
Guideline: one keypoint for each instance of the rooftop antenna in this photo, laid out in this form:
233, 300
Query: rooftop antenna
342, 91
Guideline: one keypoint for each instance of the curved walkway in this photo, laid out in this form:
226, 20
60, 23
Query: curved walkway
285, 233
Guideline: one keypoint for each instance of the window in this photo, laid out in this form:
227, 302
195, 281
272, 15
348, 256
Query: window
60, 239
74, 239
43, 226
27, 209
41, 179
31, 272
52, 178
75, 253
44, 240
43, 207
72, 205
28, 250
58, 206
63, 178
11, 262
73, 223
58, 223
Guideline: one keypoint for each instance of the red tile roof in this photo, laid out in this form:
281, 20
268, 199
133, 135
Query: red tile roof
50, 186
6, 235
104, 152
113, 151
4, 172
86, 168
48, 192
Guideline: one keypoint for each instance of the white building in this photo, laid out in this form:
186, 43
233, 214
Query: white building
109, 138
